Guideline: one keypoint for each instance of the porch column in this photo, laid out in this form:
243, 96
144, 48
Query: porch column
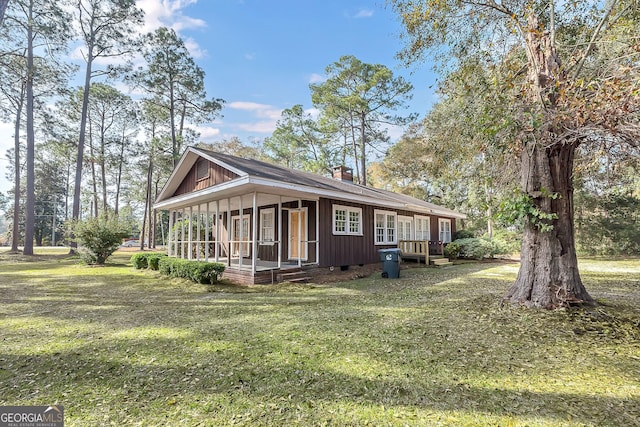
317, 233
169, 236
217, 224
206, 235
229, 236
299, 233
254, 235
279, 222
190, 234
240, 234
182, 234
198, 237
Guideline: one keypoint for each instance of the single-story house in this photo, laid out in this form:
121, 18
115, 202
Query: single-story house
261, 219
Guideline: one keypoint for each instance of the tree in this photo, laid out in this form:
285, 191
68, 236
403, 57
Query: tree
299, 142
36, 26
3, 7
360, 98
573, 81
108, 30
176, 83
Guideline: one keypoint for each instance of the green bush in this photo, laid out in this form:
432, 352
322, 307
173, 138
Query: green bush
99, 237
146, 260
478, 248
463, 234
452, 250
197, 271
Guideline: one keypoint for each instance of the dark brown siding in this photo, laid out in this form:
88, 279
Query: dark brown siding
217, 175
355, 250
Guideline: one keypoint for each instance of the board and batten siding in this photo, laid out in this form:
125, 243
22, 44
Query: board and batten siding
342, 250
216, 175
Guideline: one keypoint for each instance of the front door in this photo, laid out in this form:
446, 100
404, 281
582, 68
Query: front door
298, 234
240, 237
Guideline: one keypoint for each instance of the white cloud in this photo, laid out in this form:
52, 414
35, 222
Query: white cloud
364, 13
207, 133
266, 116
249, 56
316, 78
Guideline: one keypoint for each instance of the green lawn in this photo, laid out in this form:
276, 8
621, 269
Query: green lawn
122, 347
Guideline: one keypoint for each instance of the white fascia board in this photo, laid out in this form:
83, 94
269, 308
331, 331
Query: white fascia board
201, 195
176, 171
220, 163
442, 212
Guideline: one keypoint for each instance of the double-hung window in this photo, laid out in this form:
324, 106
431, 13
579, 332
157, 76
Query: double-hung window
347, 220
445, 230
423, 229
267, 226
385, 227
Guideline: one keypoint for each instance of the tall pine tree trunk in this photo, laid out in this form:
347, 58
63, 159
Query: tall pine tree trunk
15, 230
29, 209
548, 276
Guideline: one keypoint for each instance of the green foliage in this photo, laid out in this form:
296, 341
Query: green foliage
476, 248
463, 234
608, 225
452, 250
148, 260
99, 237
197, 271
521, 208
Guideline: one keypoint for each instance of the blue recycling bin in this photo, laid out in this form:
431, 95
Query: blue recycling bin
390, 262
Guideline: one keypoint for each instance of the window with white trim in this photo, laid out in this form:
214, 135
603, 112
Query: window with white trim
385, 227
267, 226
405, 225
445, 230
423, 227
347, 220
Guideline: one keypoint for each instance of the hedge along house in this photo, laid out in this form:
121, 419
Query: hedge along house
262, 219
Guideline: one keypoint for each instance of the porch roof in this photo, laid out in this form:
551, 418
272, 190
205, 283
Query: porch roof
267, 178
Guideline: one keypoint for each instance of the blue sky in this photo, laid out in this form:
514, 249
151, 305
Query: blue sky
261, 55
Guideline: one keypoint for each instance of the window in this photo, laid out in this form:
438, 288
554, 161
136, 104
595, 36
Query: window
202, 169
347, 220
267, 226
445, 230
423, 228
385, 227
404, 227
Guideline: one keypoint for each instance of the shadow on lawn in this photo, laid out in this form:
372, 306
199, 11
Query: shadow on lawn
283, 349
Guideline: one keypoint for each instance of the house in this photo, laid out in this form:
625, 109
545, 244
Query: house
261, 219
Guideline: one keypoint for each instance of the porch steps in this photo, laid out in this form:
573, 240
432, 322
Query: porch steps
295, 276
440, 262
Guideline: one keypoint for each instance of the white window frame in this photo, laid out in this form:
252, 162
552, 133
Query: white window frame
386, 239
347, 225
446, 238
267, 225
406, 220
422, 220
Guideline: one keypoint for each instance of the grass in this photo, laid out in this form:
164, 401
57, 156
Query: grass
119, 347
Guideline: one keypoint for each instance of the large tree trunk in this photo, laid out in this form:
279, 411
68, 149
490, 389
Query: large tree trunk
548, 276
29, 214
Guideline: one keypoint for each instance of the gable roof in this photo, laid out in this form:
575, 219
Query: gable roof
271, 176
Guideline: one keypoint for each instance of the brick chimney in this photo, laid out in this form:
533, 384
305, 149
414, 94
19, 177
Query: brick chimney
343, 173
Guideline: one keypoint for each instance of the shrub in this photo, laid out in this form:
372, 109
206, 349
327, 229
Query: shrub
99, 237
479, 248
148, 260
197, 271
463, 234
452, 250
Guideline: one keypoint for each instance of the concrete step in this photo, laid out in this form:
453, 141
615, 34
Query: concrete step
440, 262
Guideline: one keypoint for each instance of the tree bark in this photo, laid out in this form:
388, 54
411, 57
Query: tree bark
548, 276
29, 213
